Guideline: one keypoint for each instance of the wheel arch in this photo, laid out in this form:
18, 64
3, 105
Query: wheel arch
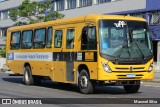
83, 66
27, 64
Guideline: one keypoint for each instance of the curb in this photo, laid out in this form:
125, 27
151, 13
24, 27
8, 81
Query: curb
155, 81
9, 72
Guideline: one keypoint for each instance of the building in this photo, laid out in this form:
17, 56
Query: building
72, 8
148, 9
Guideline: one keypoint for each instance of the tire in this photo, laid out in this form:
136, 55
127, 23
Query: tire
30, 79
85, 85
131, 88
27, 77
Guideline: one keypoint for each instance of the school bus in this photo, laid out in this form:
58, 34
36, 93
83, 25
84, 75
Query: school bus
87, 50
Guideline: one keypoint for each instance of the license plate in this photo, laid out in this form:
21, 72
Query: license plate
131, 75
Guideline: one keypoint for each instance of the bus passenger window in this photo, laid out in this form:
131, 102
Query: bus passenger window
88, 40
58, 39
39, 38
49, 38
92, 41
70, 39
26, 40
15, 40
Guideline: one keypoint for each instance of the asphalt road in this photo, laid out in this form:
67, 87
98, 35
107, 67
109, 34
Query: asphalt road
13, 87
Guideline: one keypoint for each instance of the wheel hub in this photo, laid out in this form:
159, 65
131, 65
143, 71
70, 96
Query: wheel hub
84, 82
26, 76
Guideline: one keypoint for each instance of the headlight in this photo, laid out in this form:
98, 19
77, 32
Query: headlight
150, 67
106, 67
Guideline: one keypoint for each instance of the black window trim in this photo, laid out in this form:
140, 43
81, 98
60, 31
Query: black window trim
61, 38
73, 39
87, 44
34, 37
19, 41
31, 39
47, 37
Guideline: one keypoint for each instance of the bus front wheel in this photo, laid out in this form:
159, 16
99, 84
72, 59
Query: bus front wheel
131, 88
85, 85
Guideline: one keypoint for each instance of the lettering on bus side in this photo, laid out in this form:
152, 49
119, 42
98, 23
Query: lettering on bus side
39, 56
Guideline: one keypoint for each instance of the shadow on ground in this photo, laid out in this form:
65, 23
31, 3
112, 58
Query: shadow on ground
113, 90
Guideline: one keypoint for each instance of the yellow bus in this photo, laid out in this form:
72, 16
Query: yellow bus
87, 50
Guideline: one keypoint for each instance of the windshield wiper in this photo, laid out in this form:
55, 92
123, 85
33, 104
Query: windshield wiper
131, 37
118, 56
143, 56
123, 46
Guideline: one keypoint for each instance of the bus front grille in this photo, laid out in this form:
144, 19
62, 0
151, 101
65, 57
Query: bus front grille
137, 76
130, 69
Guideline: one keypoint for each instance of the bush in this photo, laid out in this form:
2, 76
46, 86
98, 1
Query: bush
3, 53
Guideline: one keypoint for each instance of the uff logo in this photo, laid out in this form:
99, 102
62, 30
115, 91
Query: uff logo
120, 24
10, 56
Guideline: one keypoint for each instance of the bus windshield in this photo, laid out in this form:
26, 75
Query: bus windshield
124, 39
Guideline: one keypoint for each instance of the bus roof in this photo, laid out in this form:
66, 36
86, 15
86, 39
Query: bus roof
119, 17
90, 17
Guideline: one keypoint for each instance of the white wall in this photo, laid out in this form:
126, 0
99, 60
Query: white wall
2, 62
111, 7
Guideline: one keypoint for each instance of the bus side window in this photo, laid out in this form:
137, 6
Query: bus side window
88, 40
39, 38
70, 39
92, 41
15, 40
58, 39
27, 39
49, 38
84, 40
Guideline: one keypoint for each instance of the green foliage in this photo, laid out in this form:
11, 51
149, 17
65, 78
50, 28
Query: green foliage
54, 16
3, 52
34, 12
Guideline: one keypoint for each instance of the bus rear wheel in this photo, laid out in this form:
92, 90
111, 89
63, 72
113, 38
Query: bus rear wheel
27, 77
85, 85
131, 88
30, 79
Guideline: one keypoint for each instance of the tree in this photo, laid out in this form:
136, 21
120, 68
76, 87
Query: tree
34, 12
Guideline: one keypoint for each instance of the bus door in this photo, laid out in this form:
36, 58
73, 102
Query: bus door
58, 62
69, 55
